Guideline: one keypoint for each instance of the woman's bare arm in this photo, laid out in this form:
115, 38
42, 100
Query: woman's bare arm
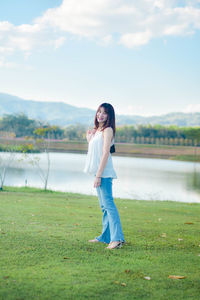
108, 134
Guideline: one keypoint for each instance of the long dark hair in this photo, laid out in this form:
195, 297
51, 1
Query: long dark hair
110, 122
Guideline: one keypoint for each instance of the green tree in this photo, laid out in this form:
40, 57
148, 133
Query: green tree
20, 124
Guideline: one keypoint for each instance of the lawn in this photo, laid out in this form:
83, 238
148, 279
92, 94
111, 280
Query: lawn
45, 252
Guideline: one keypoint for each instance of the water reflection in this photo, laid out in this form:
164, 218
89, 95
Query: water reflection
138, 178
193, 181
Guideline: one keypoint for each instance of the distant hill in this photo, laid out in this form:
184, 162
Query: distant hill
174, 118
57, 113
63, 114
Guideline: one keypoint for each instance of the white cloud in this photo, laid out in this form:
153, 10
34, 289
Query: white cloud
27, 28
136, 23
126, 22
4, 50
7, 65
175, 29
131, 40
25, 38
192, 108
5, 27
59, 42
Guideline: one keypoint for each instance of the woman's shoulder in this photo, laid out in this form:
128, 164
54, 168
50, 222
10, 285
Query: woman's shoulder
108, 129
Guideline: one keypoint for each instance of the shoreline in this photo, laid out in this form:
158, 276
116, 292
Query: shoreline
181, 153
29, 189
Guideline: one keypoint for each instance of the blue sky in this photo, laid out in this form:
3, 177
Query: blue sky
141, 56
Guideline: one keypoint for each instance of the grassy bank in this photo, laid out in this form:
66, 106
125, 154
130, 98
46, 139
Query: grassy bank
45, 252
194, 158
18, 148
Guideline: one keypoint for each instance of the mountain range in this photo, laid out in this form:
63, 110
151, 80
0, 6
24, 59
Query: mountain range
63, 114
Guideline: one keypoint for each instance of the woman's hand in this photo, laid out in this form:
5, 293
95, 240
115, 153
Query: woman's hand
90, 133
97, 182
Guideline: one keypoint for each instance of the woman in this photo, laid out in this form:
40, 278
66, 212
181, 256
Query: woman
99, 164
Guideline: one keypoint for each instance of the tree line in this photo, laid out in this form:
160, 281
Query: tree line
159, 134
19, 125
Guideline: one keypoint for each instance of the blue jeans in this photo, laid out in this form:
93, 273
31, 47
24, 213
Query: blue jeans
112, 229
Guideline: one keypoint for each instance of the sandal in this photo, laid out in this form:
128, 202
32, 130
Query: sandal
93, 241
117, 245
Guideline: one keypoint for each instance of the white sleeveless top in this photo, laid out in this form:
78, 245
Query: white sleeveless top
95, 152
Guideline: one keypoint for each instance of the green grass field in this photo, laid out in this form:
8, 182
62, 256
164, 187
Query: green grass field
45, 252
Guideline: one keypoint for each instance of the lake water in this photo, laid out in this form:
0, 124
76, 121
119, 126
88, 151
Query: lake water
138, 178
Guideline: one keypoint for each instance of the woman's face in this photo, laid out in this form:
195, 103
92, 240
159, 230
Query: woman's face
101, 115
